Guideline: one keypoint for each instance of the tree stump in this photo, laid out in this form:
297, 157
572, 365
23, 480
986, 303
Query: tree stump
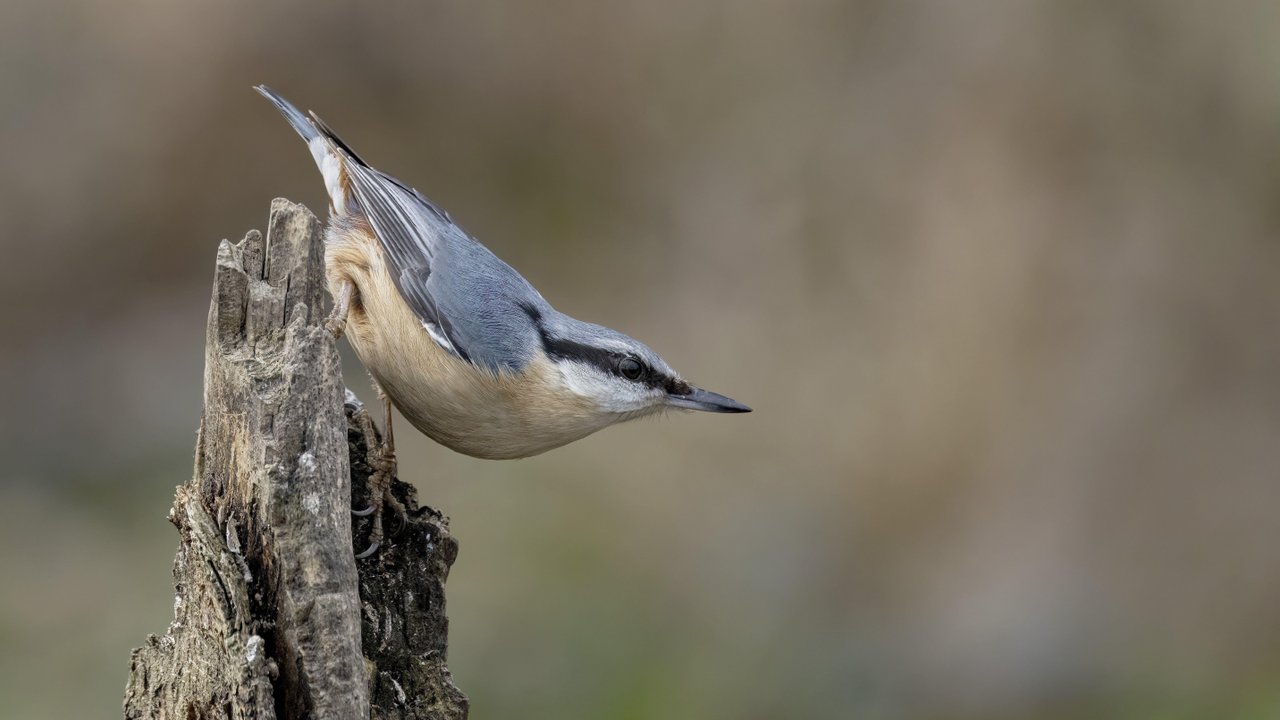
274, 617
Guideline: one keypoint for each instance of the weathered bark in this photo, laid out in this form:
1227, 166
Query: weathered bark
270, 606
404, 629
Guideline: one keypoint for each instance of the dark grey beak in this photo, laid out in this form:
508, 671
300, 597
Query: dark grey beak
706, 401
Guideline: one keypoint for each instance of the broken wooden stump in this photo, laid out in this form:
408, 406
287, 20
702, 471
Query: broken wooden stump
274, 617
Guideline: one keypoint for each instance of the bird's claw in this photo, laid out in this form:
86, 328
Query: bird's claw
383, 462
335, 325
370, 551
381, 458
376, 533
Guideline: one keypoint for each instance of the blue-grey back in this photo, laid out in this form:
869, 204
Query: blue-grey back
484, 301
471, 301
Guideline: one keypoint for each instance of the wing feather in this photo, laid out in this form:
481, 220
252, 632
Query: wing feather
469, 301
409, 240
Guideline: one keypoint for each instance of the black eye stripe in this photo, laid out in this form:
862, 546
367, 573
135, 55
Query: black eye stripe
606, 360
570, 350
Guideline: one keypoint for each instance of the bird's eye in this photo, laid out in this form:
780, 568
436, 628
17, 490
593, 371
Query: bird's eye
630, 368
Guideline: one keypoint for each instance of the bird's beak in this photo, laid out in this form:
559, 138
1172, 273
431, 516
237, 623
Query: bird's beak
706, 401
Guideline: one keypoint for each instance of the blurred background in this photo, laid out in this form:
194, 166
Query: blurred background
999, 278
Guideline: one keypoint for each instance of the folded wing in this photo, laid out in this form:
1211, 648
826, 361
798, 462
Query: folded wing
469, 301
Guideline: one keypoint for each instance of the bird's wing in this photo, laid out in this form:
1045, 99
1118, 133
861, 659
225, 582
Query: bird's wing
469, 301
411, 244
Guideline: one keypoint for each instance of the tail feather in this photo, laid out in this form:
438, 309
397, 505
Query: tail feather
296, 119
328, 132
330, 153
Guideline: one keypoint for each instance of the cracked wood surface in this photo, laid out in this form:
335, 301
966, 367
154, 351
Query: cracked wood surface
270, 605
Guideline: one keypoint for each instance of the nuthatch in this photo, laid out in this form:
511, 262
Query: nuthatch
463, 345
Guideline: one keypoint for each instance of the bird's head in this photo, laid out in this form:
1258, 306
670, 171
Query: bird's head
621, 375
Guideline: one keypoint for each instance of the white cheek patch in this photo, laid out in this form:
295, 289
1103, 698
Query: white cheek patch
611, 393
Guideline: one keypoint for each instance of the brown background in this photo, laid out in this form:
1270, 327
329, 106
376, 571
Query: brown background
999, 278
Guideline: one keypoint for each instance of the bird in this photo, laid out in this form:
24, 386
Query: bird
456, 339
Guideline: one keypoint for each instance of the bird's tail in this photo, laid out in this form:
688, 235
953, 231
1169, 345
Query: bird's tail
330, 153
296, 119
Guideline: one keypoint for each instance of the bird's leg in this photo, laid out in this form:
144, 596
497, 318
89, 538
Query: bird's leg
389, 460
382, 458
336, 323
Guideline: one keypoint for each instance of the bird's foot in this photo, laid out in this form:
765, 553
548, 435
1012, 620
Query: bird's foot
335, 325
381, 457
383, 461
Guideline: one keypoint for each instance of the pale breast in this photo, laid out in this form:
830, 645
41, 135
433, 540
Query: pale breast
471, 410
